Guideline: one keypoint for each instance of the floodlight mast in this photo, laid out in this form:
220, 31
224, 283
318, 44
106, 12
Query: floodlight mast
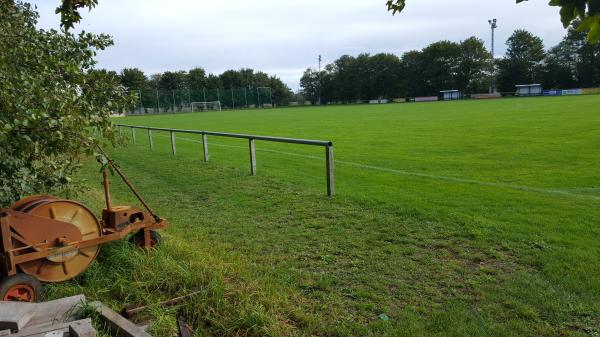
493, 24
320, 81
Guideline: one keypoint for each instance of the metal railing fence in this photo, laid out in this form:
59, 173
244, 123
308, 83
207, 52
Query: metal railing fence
328, 145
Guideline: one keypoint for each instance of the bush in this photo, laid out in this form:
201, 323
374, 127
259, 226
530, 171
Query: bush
51, 101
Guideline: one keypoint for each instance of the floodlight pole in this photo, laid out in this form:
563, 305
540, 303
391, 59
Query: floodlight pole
189, 97
173, 100
493, 24
157, 102
319, 98
141, 103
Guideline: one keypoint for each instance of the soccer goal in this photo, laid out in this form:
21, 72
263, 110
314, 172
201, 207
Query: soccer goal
206, 106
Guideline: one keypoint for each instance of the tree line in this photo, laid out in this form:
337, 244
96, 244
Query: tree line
197, 79
466, 65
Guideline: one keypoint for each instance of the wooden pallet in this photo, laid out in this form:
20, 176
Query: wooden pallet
59, 318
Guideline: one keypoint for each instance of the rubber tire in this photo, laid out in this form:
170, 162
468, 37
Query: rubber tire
22, 279
138, 239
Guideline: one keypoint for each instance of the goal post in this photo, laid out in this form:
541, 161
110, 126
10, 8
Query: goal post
205, 106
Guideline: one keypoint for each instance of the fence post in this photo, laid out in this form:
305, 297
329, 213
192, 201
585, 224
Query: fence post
173, 146
141, 102
329, 167
252, 157
205, 147
133, 135
150, 140
189, 98
120, 132
157, 102
173, 100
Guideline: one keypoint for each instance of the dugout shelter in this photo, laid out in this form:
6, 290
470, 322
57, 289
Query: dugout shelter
525, 90
450, 95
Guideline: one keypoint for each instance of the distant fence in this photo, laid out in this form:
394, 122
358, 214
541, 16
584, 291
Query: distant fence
151, 101
328, 145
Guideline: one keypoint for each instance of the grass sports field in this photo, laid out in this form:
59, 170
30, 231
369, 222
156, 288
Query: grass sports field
469, 218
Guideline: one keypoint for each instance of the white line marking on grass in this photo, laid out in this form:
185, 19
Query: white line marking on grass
417, 174
471, 181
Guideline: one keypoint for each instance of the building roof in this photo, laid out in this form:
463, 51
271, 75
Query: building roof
528, 85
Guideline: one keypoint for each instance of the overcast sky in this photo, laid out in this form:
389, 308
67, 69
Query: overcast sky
284, 37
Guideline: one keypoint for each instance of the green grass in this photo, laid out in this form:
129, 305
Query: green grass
470, 218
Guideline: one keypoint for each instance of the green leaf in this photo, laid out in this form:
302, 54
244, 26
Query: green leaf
50, 99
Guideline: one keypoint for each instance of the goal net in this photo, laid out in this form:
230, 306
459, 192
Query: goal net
206, 106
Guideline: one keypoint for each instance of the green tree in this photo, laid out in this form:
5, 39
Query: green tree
261, 79
585, 12
69, 11
473, 65
328, 89
441, 66
155, 80
560, 65
232, 79
345, 75
413, 80
585, 58
280, 91
196, 79
385, 81
557, 74
310, 84
173, 80
247, 77
523, 61
51, 100
213, 82
361, 72
133, 78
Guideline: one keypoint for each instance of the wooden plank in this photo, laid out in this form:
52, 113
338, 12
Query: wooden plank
54, 332
15, 315
80, 328
58, 311
117, 323
184, 329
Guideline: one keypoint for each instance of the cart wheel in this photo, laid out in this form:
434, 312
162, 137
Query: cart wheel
138, 239
21, 288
